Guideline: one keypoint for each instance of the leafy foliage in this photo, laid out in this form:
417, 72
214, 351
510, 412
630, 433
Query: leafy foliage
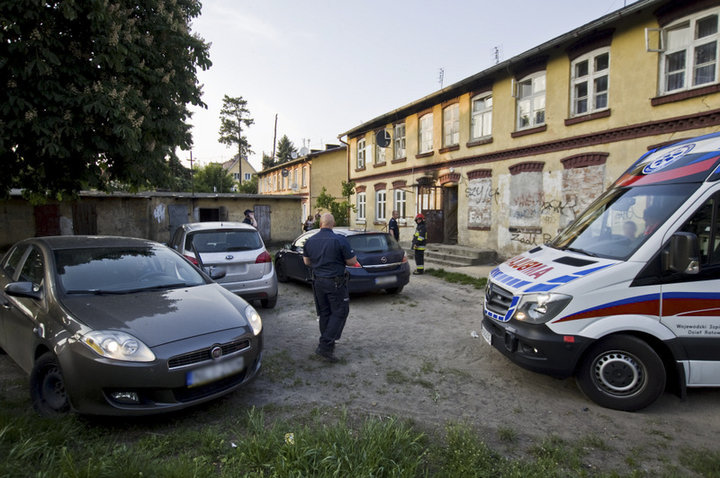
340, 210
249, 187
213, 179
267, 162
285, 150
232, 122
95, 93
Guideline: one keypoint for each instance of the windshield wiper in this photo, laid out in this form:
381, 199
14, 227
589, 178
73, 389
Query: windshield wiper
581, 251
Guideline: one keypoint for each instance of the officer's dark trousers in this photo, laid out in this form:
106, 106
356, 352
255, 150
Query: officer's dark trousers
333, 300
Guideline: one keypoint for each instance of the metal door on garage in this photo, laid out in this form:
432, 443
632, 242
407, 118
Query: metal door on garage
84, 219
178, 215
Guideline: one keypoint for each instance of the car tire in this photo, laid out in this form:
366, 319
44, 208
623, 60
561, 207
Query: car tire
281, 275
269, 303
47, 387
622, 372
394, 290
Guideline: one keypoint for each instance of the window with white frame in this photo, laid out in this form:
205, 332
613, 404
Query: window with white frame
380, 205
361, 154
361, 203
379, 154
590, 74
451, 125
399, 141
294, 184
531, 101
236, 176
425, 134
304, 176
400, 202
248, 176
690, 53
481, 116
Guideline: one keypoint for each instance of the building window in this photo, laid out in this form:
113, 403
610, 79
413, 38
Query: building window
248, 176
380, 202
451, 125
690, 53
379, 154
531, 101
399, 141
304, 176
294, 184
481, 117
425, 134
399, 202
589, 81
361, 154
361, 200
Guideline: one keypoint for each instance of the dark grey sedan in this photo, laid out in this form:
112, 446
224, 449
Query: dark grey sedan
121, 326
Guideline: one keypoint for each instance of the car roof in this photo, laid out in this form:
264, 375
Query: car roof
214, 225
84, 242
346, 231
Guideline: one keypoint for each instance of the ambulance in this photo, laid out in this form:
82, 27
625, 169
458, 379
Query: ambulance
627, 298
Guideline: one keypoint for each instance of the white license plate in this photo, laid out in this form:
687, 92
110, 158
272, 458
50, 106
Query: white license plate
214, 372
385, 280
486, 335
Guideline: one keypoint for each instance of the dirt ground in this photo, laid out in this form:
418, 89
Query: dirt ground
416, 355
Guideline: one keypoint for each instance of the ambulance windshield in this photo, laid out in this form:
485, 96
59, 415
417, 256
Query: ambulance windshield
622, 219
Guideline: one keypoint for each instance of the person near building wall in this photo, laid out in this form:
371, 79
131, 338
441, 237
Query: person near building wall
419, 242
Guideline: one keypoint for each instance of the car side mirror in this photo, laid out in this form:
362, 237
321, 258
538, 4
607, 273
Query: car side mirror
23, 289
682, 254
215, 273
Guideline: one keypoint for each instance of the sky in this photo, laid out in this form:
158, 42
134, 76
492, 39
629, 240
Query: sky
326, 66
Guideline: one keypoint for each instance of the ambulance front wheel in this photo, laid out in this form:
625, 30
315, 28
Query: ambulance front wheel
622, 372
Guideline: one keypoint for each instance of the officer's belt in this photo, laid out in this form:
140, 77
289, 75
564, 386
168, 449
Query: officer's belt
335, 279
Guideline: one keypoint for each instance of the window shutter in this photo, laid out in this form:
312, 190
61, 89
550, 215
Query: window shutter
654, 40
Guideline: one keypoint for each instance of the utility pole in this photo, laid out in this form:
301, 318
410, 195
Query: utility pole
192, 176
274, 137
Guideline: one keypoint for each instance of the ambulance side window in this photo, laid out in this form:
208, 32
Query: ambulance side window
705, 224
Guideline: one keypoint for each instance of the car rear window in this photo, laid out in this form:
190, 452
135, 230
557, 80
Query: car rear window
372, 243
224, 241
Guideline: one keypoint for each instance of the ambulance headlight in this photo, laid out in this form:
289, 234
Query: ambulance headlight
540, 308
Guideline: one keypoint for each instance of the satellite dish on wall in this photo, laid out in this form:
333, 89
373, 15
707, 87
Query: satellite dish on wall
382, 138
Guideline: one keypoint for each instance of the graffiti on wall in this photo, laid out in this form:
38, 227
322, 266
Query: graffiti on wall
480, 195
529, 237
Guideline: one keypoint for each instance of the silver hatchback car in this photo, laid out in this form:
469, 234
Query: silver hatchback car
237, 249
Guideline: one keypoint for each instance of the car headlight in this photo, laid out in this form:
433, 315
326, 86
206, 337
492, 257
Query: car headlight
118, 346
540, 308
254, 319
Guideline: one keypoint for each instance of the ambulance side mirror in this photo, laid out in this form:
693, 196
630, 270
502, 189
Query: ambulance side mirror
682, 254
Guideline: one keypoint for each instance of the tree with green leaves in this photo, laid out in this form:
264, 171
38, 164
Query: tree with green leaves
267, 161
340, 210
234, 116
95, 93
213, 178
285, 151
249, 187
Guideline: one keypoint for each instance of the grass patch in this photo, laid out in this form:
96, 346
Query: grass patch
458, 278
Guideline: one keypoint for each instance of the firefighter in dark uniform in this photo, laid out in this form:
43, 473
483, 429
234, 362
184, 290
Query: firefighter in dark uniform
327, 254
418, 243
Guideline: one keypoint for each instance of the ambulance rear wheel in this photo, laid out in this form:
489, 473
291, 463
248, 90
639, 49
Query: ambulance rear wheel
622, 372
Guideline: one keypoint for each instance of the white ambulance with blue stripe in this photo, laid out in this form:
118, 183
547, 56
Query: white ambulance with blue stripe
627, 297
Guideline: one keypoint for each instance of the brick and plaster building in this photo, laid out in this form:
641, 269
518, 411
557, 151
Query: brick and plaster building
306, 176
233, 168
506, 158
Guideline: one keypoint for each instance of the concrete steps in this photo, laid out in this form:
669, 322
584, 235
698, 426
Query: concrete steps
446, 255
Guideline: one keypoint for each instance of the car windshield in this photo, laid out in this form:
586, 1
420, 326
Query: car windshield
122, 270
228, 240
622, 219
373, 243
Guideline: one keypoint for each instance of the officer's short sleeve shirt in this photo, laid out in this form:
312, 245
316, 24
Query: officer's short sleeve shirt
328, 252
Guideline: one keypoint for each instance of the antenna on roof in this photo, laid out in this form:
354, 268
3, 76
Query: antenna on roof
497, 53
441, 77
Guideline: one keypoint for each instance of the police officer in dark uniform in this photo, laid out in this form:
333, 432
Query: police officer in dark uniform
327, 254
393, 226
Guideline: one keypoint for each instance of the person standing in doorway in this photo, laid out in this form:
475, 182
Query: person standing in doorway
327, 254
418, 243
393, 227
